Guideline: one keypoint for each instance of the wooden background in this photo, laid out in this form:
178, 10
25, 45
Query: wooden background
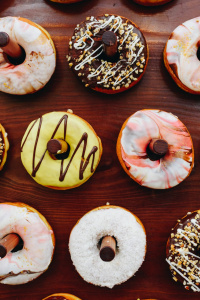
158, 209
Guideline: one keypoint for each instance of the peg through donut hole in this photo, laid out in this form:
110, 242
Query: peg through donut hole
108, 53
27, 54
117, 226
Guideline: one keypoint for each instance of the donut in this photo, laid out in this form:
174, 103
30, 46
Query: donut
38, 243
62, 170
108, 53
61, 296
86, 236
155, 171
182, 56
4, 146
151, 2
40, 57
183, 248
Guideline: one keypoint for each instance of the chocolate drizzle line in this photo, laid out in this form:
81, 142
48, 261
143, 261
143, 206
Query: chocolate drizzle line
83, 163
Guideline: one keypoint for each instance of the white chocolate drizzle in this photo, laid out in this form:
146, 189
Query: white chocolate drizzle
109, 74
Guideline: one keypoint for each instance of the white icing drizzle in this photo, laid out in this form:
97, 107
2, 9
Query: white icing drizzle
109, 70
186, 238
181, 274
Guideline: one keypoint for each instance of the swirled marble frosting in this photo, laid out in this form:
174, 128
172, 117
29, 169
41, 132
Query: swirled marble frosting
181, 53
39, 64
177, 163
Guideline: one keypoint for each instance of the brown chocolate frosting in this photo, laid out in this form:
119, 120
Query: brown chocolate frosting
126, 67
56, 298
183, 251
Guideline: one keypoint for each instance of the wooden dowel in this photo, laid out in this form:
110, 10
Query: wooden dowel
8, 243
57, 146
157, 148
108, 248
9, 46
109, 40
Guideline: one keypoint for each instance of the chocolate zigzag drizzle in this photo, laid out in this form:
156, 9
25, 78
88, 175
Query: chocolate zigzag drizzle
83, 163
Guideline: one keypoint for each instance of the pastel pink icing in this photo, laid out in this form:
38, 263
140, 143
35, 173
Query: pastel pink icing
181, 50
168, 171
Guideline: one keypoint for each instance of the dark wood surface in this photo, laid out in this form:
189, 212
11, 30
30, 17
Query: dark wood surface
157, 209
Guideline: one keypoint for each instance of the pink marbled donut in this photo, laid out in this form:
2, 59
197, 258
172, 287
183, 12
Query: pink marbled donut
134, 138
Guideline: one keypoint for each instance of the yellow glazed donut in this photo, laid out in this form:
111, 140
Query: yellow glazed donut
38, 243
61, 296
4, 146
182, 56
40, 61
138, 132
60, 171
151, 2
130, 236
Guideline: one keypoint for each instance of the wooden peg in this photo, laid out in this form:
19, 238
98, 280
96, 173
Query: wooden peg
9, 46
109, 40
157, 148
57, 146
108, 248
8, 243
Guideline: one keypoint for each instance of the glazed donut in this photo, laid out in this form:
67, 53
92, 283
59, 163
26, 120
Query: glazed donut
130, 236
60, 171
4, 146
90, 46
182, 56
151, 2
61, 296
38, 243
40, 61
183, 248
138, 132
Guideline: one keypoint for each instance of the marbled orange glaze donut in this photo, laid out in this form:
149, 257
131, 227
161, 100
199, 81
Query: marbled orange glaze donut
134, 138
182, 56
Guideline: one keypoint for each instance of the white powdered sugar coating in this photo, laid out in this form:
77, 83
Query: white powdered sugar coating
39, 63
131, 246
35, 256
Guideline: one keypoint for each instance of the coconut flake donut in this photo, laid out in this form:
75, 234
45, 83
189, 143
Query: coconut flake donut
4, 146
61, 296
38, 243
183, 251
137, 134
130, 236
61, 171
39, 64
151, 2
90, 46
182, 57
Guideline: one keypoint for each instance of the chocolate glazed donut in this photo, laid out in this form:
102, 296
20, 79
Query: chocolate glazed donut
91, 61
183, 251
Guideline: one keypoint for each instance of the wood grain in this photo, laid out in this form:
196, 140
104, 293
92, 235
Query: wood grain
158, 210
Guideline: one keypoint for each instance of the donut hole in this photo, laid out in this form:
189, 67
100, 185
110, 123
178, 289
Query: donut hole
113, 59
63, 155
198, 52
16, 61
19, 246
